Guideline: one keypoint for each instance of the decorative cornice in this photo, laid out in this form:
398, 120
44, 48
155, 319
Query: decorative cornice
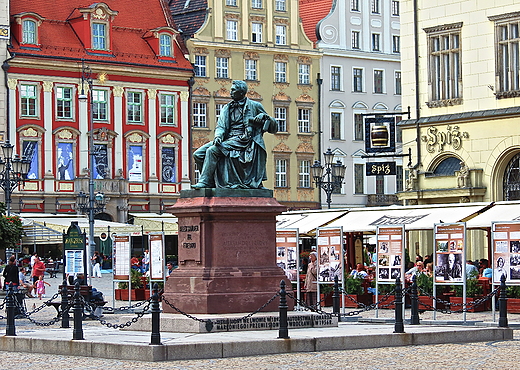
443, 27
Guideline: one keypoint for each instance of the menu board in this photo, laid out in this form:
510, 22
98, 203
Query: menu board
121, 257
74, 262
156, 247
330, 254
506, 252
390, 246
287, 252
449, 253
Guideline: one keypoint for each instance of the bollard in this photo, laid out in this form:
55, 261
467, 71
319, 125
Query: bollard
414, 320
502, 304
11, 311
283, 331
65, 317
77, 332
156, 317
335, 298
399, 324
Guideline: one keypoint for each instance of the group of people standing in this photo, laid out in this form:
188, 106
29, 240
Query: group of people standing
17, 277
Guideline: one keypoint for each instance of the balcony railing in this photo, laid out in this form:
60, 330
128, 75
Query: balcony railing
374, 200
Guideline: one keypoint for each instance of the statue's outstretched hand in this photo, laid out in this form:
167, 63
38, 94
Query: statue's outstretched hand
217, 141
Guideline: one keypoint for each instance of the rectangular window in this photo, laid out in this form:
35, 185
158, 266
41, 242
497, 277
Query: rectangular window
65, 162
165, 45
100, 105
231, 2
256, 4
397, 83
396, 44
399, 178
30, 151
375, 42
445, 65
135, 163
222, 67
28, 100
304, 120
218, 110
335, 126
29, 32
395, 7
281, 173
380, 184
359, 178
251, 70
99, 36
358, 80
196, 173
199, 115
280, 5
134, 106
231, 30
200, 66
358, 127
304, 74
280, 115
304, 174
168, 171
335, 78
398, 130
280, 72
167, 102
378, 81
281, 35
375, 6
354, 5
355, 39
101, 161
64, 102
256, 32
508, 57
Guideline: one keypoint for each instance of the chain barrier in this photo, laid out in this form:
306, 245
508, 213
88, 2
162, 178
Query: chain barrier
465, 307
313, 308
45, 304
133, 320
27, 315
2, 305
365, 307
125, 308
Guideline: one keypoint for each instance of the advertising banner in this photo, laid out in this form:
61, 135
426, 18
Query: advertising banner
287, 252
330, 254
506, 252
390, 253
449, 256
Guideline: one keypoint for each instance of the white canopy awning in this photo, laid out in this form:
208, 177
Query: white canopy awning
155, 222
500, 212
307, 221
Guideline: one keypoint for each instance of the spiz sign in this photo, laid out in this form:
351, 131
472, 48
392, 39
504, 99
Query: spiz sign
380, 168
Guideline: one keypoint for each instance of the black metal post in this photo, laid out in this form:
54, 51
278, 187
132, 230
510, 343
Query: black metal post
335, 298
65, 317
10, 329
156, 317
283, 331
415, 302
77, 333
502, 304
399, 323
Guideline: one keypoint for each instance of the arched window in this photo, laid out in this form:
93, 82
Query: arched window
29, 32
512, 179
447, 167
165, 45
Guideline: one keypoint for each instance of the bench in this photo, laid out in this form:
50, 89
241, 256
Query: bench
86, 293
52, 269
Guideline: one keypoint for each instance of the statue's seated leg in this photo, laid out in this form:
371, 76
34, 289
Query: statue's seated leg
207, 176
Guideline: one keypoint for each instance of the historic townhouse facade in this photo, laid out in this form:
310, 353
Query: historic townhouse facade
135, 107
361, 73
263, 43
4, 42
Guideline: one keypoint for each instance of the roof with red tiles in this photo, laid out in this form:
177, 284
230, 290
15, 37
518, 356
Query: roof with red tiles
134, 19
311, 12
189, 15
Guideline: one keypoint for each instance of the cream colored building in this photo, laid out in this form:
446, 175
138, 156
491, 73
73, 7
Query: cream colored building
263, 43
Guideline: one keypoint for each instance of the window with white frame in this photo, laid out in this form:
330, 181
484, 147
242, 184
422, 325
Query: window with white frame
335, 78
355, 39
280, 5
256, 4
395, 7
218, 110
378, 81
357, 79
280, 72
63, 102
200, 66
380, 184
396, 44
99, 36
304, 74
196, 173
28, 100
134, 106
29, 32
304, 169
256, 32
445, 62
375, 7
354, 5
507, 50
280, 115
231, 2
304, 120
359, 127
99, 105
199, 115
335, 126
222, 67
397, 83
231, 30
250, 69
167, 102
165, 45
359, 178
376, 45
399, 178
281, 35
281, 173
398, 130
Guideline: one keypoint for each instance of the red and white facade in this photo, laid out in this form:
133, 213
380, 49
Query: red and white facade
137, 104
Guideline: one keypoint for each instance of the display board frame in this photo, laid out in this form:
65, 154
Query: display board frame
287, 246
331, 257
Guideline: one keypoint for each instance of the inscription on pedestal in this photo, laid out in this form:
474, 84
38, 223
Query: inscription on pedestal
189, 240
273, 322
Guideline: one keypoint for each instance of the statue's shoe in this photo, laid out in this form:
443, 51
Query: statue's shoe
199, 185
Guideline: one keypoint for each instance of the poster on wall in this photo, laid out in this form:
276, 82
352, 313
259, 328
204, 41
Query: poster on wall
506, 252
156, 250
330, 254
64, 162
121, 257
30, 151
100, 161
449, 257
135, 163
168, 164
390, 253
287, 252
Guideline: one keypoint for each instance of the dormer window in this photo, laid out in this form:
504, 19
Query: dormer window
29, 32
165, 45
99, 36
26, 29
161, 40
93, 25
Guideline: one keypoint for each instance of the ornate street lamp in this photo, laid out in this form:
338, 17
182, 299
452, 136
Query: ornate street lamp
332, 179
13, 171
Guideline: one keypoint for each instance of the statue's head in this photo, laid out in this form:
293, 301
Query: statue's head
238, 90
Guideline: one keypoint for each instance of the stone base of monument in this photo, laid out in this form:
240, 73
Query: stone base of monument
173, 323
227, 252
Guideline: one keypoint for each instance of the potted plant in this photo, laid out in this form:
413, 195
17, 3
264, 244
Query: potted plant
384, 289
355, 290
425, 292
136, 288
326, 294
513, 298
473, 292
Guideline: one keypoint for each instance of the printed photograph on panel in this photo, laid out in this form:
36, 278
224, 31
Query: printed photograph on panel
449, 267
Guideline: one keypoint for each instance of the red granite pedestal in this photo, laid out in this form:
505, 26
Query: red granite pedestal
227, 253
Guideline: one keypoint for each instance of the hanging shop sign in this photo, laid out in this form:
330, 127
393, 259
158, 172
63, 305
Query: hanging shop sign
380, 134
380, 168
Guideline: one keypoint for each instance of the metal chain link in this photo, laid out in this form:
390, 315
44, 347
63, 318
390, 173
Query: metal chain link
28, 315
466, 307
126, 324
45, 304
126, 308
312, 308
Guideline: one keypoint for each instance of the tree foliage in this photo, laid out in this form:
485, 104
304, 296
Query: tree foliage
11, 229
